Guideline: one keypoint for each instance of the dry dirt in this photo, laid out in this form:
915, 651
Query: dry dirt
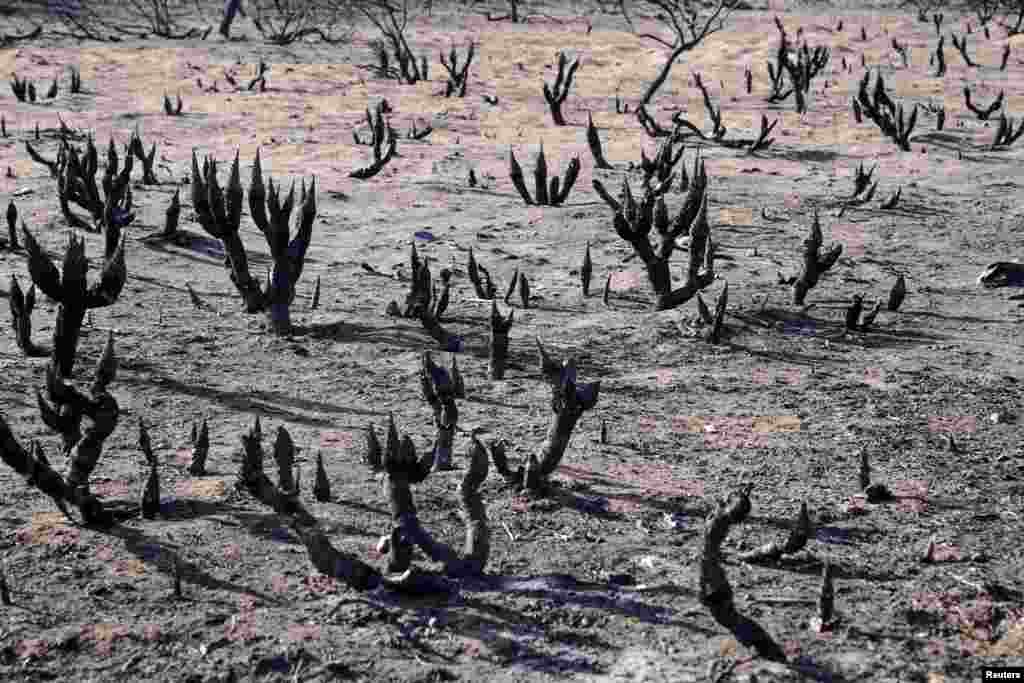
597, 582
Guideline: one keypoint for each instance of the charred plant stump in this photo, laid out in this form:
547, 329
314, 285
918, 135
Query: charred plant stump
498, 342
439, 392
151, 491
457, 77
585, 271
633, 222
569, 400
714, 320
715, 591
147, 160
12, 227
815, 263
21, 317
512, 287
374, 454
384, 141
983, 113
555, 95
289, 255
893, 200
321, 484
885, 113
172, 215
480, 278
200, 450
544, 195
1006, 56
897, 294
763, 142
219, 212
799, 534
862, 180
826, 619
1005, 134
594, 142
172, 109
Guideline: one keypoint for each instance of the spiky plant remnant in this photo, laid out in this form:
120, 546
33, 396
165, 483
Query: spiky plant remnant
553, 193
151, 491
373, 450
172, 215
322, 485
634, 220
594, 142
815, 263
22, 305
439, 393
799, 534
586, 270
200, 450
498, 346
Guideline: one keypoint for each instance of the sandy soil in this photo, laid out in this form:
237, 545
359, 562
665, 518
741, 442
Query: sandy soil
597, 582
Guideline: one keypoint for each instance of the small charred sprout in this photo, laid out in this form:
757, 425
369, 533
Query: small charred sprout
439, 391
499, 342
200, 450
815, 263
594, 142
21, 316
151, 491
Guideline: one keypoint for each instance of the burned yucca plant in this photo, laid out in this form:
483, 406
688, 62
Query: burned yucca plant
426, 304
136, 148
809, 63
24, 90
219, 212
815, 263
545, 194
22, 304
76, 183
440, 391
403, 470
12, 227
384, 140
569, 400
289, 255
556, 94
634, 220
889, 117
84, 419
458, 77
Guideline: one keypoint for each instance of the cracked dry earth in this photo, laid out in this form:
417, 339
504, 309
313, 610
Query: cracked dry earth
597, 582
